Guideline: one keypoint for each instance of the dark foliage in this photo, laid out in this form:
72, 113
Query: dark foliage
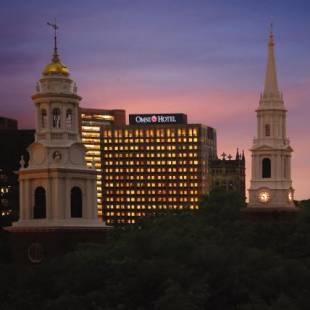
208, 259
303, 203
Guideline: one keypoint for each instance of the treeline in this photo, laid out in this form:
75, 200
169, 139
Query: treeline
213, 258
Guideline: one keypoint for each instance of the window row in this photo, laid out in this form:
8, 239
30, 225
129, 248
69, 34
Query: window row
149, 140
151, 177
149, 207
56, 118
149, 170
150, 162
149, 184
161, 132
149, 192
152, 199
147, 155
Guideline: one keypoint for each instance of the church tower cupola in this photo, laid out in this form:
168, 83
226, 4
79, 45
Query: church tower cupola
57, 188
57, 102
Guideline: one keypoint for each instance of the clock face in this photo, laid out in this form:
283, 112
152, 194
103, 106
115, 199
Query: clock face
264, 196
290, 196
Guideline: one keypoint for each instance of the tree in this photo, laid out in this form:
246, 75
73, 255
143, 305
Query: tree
213, 258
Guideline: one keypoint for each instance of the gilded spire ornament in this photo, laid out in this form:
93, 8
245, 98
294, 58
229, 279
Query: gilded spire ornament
55, 27
56, 66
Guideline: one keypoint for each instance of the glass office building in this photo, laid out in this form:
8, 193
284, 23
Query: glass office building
157, 162
93, 122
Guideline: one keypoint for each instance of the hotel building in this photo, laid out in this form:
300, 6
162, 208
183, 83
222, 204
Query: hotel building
92, 123
155, 163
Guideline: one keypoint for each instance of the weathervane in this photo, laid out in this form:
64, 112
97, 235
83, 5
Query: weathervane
271, 27
271, 34
55, 27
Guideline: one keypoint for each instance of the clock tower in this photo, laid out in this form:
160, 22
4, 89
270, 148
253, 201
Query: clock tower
271, 183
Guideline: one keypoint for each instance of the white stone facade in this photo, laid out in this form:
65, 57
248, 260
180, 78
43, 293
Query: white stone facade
271, 183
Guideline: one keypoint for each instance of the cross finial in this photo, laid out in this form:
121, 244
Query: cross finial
223, 155
55, 27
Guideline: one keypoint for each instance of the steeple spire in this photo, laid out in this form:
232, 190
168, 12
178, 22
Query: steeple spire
271, 83
237, 154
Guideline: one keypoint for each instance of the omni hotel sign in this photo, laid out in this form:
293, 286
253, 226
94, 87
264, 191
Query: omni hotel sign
143, 119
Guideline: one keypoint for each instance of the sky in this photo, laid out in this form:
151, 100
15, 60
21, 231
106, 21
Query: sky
200, 57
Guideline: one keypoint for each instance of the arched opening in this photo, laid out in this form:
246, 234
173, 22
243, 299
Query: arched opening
56, 118
267, 130
266, 168
39, 210
76, 202
43, 118
69, 119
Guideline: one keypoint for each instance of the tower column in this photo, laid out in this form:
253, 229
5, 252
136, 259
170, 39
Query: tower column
28, 200
67, 199
22, 213
49, 209
89, 198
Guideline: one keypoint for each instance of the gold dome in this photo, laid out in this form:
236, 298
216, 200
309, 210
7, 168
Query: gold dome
56, 67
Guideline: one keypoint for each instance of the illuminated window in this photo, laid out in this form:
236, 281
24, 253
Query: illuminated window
90, 134
90, 128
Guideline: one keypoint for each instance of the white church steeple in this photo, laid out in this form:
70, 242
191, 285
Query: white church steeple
271, 82
271, 184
